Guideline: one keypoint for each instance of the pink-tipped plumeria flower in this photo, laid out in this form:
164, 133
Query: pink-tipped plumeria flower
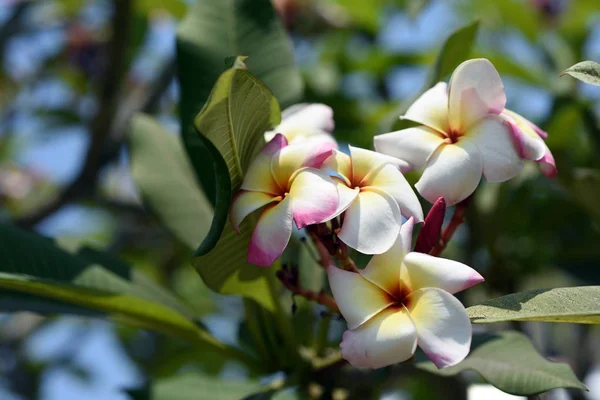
465, 132
286, 180
374, 195
400, 300
306, 122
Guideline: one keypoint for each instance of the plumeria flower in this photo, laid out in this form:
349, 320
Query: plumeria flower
286, 180
400, 300
374, 196
465, 132
306, 122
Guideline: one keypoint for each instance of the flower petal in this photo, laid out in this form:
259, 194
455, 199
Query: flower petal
366, 161
244, 203
388, 338
406, 232
372, 222
347, 195
453, 172
493, 137
340, 164
357, 298
314, 197
547, 164
384, 269
431, 108
315, 115
391, 180
413, 145
294, 157
272, 233
305, 121
422, 270
475, 90
443, 327
527, 141
258, 177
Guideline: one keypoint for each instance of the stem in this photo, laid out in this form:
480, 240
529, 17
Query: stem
321, 297
457, 219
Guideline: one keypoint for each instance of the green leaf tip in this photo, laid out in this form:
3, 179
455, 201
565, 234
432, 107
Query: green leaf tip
585, 71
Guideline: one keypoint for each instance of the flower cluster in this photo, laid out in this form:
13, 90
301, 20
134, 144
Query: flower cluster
401, 299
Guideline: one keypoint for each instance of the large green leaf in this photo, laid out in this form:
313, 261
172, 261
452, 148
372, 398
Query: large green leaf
196, 387
575, 304
585, 71
509, 361
36, 270
213, 31
455, 50
164, 176
26, 254
232, 124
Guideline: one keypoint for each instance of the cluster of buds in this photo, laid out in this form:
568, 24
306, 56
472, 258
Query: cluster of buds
402, 298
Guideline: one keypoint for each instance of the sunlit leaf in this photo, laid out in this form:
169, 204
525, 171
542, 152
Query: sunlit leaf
509, 361
573, 304
585, 71
213, 31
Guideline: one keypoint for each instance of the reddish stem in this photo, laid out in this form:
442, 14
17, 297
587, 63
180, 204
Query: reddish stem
457, 219
292, 285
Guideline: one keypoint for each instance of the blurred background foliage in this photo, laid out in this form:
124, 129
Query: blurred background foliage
74, 72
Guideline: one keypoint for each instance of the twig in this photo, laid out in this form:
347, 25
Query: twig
290, 281
457, 219
328, 245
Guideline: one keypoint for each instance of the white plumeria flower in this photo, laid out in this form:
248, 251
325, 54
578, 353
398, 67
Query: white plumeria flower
306, 122
400, 300
465, 132
286, 181
374, 195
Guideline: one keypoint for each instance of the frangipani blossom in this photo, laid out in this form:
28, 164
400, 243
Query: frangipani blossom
373, 195
400, 300
286, 180
306, 122
465, 132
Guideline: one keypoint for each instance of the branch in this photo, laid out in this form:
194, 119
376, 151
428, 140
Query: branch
289, 279
457, 219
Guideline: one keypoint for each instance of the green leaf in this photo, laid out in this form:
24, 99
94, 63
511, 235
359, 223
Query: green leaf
54, 280
585, 71
232, 124
213, 31
175, 7
27, 254
509, 361
575, 304
196, 387
455, 50
165, 178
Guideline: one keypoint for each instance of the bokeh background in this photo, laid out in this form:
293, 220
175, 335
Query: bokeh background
74, 71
